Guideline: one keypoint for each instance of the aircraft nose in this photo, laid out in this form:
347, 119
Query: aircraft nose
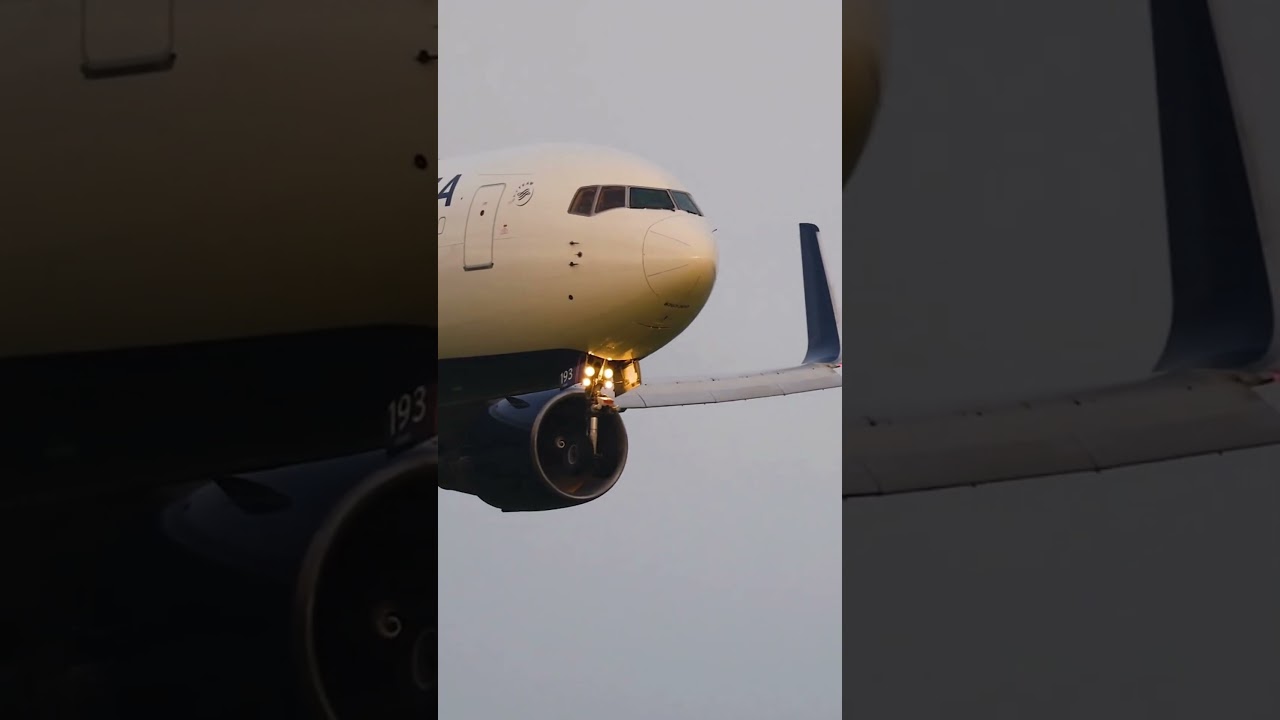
680, 259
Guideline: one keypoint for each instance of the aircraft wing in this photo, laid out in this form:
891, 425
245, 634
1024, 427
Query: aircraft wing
1167, 417
771, 383
1211, 389
819, 370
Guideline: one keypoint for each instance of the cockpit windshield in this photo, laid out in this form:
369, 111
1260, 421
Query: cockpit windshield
685, 202
582, 201
611, 196
650, 199
595, 199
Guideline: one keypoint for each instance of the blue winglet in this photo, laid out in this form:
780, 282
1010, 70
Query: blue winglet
819, 305
1223, 311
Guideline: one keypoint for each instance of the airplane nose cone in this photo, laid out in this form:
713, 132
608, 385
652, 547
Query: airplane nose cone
680, 259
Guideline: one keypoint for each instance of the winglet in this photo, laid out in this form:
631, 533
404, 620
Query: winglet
1223, 312
821, 309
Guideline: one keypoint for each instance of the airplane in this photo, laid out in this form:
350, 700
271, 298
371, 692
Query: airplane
1213, 388
213, 283
561, 268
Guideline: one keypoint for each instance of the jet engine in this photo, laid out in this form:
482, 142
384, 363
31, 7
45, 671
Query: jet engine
364, 599
533, 452
315, 583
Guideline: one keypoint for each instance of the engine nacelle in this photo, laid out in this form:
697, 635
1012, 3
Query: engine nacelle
314, 582
370, 566
533, 452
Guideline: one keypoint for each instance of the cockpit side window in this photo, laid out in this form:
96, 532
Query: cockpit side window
583, 200
685, 202
650, 199
611, 196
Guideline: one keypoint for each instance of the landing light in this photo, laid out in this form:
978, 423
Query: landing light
591, 371
586, 383
608, 375
608, 384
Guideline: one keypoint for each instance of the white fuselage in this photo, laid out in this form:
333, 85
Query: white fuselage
268, 184
519, 272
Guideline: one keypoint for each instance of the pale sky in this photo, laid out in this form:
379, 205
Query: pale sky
706, 584
1006, 231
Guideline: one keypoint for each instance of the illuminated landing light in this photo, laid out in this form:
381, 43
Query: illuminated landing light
608, 375
608, 384
586, 382
591, 371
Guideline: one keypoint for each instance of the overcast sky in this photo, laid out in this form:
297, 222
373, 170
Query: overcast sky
1005, 234
706, 584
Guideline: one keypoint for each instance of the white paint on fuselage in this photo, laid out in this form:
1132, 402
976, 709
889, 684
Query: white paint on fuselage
266, 185
619, 285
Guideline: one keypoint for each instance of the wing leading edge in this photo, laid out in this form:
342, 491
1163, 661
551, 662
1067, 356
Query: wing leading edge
1168, 417
818, 371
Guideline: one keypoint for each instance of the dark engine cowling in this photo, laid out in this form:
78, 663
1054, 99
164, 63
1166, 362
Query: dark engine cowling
314, 584
532, 452
364, 599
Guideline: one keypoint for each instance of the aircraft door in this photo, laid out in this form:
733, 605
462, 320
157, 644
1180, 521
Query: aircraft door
477, 243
